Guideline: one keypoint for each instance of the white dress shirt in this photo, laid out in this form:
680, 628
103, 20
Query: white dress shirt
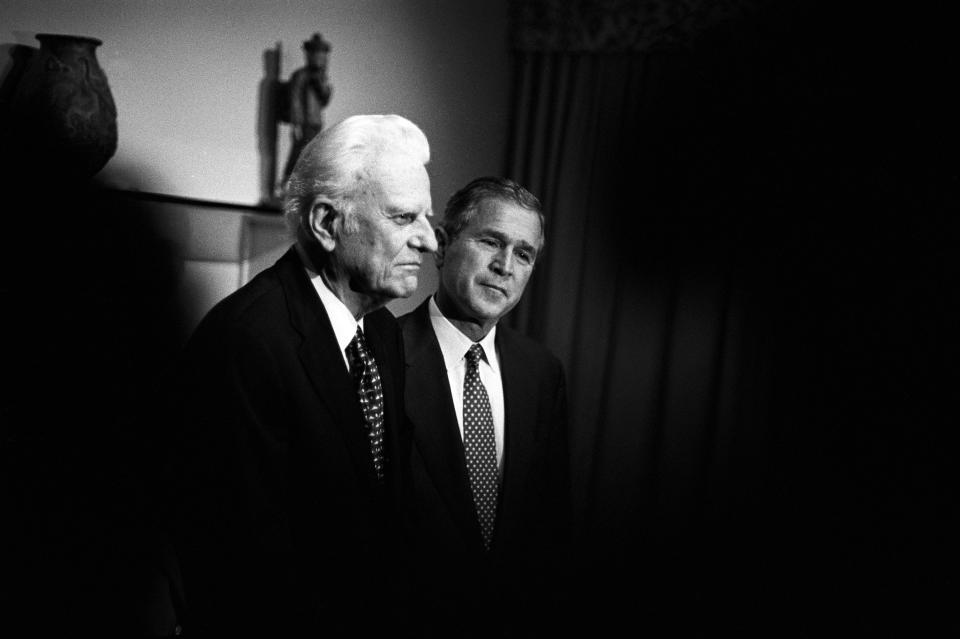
344, 325
454, 346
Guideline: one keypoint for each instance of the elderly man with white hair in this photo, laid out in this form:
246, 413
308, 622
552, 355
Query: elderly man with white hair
293, 448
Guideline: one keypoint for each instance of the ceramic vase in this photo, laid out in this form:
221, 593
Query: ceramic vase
64, 105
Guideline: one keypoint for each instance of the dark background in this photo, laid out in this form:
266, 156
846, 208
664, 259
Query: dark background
806, 156
809, 155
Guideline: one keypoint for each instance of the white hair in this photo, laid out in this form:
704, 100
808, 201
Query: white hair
337, 161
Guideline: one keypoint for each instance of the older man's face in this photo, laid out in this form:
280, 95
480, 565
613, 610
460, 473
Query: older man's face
382, 244
484, 269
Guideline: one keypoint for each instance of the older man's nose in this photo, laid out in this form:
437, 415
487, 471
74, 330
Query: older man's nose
423, 237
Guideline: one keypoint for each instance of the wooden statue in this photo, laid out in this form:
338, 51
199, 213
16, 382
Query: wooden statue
308, 93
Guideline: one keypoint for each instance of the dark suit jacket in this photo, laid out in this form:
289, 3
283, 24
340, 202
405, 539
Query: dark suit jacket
280, 525
515, 581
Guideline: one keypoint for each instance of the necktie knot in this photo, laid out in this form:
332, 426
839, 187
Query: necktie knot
474, 355
357, 351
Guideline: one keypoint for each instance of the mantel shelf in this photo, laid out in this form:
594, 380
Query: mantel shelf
268, 209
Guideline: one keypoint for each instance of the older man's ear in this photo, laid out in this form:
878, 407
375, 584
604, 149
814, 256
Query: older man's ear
324, 221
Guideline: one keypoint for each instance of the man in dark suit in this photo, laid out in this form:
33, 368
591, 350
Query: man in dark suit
490, 509
293, 451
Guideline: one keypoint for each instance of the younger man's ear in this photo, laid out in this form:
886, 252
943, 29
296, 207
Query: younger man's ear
443, 240
324, 221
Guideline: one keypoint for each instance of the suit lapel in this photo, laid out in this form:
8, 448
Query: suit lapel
321, 359
519, 424
436, 433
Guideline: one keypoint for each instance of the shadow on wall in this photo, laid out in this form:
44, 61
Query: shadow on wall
13, 62
90, 328
267, 124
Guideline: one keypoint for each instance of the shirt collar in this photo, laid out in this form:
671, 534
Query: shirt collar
454, 344
344, 325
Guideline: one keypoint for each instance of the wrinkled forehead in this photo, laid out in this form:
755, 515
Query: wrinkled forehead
504, 217
399, 179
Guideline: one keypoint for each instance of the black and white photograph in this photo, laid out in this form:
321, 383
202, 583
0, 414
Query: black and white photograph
479, 319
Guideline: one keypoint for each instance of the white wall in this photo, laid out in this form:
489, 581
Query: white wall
185, 78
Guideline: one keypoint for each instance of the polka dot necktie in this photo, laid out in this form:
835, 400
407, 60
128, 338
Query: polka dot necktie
480, 445
369, 391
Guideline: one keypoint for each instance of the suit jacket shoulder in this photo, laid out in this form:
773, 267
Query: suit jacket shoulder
533, 519
535, 483
277, 504
529, 354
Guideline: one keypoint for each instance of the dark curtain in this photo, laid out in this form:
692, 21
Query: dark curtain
749, 280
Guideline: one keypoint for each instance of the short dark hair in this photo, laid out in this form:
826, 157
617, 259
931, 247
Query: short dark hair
462, 205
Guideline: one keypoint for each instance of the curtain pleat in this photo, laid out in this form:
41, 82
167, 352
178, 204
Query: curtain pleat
643, 343
744, 282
